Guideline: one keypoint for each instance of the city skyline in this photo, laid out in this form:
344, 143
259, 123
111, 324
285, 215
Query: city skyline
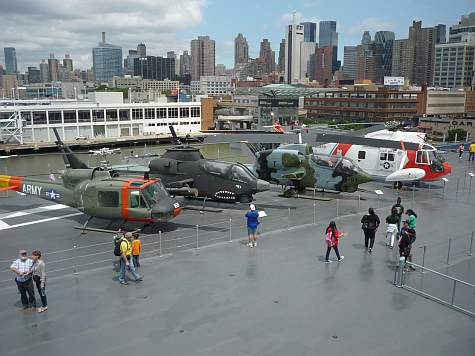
164, 28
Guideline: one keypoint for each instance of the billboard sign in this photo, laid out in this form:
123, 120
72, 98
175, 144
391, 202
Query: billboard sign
393, 81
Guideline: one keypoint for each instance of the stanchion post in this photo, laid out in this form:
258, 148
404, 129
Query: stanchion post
75, 267
470, 184
337, 207
413, 191
197, 236
159, 242
400, 272
230, 230
359, 201
453, 293
288, 219
6, 173
471, 245
314, 213
448, 250
424, 257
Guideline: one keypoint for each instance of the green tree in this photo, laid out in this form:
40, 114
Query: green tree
461, 134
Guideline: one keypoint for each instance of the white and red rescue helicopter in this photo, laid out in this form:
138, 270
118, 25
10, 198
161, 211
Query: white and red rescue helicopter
388, 156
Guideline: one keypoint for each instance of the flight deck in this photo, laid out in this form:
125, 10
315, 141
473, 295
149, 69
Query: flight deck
206, 293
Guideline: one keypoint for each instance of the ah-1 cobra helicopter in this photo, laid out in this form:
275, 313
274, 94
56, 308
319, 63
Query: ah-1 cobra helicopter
184, 166
101, 193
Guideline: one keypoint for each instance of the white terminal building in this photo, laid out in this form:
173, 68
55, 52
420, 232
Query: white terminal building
103, 116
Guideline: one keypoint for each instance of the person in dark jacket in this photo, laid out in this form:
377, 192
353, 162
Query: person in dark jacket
332, 236
392, 222
370, 223
400, 210
405, 244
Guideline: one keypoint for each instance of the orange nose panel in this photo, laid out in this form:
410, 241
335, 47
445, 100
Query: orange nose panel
176, 211
447, 168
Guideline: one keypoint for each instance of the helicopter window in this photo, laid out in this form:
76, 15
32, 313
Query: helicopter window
241, 174
152, 193
391, 157
108, 199
383, 156
421, 157
136, 200
361, 154
215, 167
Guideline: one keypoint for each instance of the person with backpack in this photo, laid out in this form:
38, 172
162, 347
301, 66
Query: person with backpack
405, 245
399, 210
370, 223
123, 248
332, 235
392, 222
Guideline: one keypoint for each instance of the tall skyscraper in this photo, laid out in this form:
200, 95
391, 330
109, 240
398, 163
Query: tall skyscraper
11, 66
400, 62
241, 49
306, 50
366, 38
293, 40
309, 31
268, 55
34, 75
202, 57
465, 26
129, 61
350, 54
142, 50
107, 60
384, 42
185, 63
68, 62
455, 61
172, 54
44, 71
421, 51
369, 64
328, 37
156, 68
53, 68
323, 65
281, 61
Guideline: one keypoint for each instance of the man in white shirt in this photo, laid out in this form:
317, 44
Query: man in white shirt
22, 268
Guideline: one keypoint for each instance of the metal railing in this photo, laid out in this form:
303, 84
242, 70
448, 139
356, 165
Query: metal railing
458, 294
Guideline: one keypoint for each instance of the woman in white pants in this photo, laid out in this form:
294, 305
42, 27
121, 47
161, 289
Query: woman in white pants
391, 228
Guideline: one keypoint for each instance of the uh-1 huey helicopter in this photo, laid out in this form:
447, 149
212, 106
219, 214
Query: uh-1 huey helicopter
100, 193
185, 166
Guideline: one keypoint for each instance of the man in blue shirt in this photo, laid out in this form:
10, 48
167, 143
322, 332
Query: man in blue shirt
22, 268
252, 221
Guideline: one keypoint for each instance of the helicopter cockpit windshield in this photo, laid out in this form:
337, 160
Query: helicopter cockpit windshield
436, 161
241, 173
153, 192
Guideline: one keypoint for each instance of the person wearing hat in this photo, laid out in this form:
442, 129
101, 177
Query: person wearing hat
22, 268
252, 222
125, 261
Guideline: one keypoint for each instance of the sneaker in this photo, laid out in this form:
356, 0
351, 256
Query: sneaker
42, 309
140, 279
341, 258
328, 261
370, 250
124, 283
250, 244
255, 244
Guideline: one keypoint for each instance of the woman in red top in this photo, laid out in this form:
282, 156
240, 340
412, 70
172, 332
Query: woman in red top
332, 236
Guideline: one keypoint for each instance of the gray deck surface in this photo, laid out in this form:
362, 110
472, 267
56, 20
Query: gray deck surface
226, 299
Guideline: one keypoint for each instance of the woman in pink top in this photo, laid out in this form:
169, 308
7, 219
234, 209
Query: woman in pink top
332, 236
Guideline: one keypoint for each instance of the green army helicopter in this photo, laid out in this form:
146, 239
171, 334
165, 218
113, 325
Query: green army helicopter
297, 167
102, 193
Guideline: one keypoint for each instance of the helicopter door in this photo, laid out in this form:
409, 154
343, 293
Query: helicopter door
386, 160
137, 206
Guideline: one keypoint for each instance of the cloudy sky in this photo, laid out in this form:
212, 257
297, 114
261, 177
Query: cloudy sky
37, 28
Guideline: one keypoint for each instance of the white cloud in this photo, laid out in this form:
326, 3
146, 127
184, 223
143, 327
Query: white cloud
37, 28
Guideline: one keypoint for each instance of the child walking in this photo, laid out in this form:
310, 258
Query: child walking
332, 237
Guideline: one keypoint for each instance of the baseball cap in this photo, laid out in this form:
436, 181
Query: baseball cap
252, 207
22, 252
